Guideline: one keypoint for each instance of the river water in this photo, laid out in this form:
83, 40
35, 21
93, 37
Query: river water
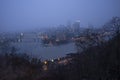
35, 49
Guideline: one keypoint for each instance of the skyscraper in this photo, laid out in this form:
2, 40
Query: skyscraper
76, 26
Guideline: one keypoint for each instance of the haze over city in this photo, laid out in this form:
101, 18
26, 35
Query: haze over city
59, 39
19, 15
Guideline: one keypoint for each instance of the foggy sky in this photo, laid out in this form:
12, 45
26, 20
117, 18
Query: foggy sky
16, 15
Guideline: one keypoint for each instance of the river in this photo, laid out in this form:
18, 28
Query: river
35, 49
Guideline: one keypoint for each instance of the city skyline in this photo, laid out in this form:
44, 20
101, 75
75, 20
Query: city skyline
28, 14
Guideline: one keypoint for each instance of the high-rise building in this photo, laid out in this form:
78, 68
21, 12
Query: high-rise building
76, 26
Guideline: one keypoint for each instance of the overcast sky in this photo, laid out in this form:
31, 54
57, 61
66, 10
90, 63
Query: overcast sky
16, 15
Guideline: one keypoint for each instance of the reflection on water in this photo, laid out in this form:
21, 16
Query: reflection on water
37, 50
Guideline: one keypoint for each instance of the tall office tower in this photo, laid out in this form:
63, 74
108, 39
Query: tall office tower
76, 26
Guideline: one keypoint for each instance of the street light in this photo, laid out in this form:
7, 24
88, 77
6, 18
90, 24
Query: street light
45, 62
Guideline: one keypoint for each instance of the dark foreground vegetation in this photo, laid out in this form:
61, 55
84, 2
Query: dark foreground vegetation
95, 62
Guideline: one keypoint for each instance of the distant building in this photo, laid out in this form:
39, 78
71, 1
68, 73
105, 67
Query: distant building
76, 26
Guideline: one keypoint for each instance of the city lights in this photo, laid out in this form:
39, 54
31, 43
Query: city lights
52, 60
45, 62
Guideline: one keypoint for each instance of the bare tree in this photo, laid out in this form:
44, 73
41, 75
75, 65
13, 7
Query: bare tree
89, 38
94, 37
112, 27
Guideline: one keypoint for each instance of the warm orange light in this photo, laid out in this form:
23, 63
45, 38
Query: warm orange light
45, 62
